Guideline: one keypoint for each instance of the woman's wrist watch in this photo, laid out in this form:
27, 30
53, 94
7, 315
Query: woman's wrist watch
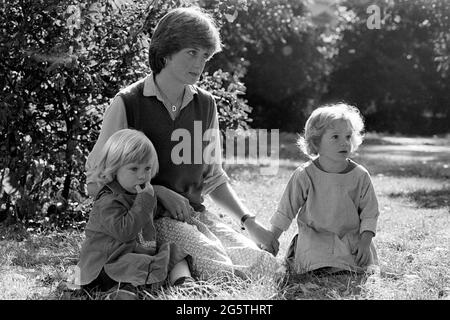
244, 218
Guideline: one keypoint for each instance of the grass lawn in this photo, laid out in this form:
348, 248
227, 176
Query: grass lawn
411, 177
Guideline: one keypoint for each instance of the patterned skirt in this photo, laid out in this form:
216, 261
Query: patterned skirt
216, 249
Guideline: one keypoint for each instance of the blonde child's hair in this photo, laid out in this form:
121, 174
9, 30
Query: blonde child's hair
322, 118
123, 147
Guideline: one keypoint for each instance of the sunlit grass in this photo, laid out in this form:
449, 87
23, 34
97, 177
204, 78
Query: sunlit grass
410, 177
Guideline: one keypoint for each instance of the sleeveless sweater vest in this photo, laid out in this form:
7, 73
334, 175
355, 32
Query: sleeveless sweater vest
149, 115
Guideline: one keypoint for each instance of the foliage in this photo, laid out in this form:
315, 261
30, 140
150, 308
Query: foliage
62, 63
284, 57
226, 88
63, 60
397, 74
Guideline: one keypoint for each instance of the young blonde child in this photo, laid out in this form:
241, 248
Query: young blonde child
331, 196
119, 251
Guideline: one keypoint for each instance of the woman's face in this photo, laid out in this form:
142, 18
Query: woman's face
187, 65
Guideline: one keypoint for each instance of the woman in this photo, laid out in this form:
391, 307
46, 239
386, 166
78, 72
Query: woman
166, 105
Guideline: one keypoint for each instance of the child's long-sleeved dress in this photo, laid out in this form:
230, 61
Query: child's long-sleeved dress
111, 240
332, 210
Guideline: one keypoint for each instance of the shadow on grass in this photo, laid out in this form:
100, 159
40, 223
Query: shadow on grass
429, 199
406, 162
42, 250
374, 140
41, 258
289, 158
15, 232
251, 172
316, 286
390, 156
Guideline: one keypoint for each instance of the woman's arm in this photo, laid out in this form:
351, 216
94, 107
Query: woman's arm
225, 196
276, 231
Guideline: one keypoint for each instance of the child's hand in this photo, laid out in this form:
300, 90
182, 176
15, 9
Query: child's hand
147, 187
362, 250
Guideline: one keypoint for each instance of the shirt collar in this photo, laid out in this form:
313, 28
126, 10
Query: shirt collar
150, 90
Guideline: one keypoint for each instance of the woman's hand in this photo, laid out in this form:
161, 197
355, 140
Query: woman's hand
225, 196
177, 205
262, 237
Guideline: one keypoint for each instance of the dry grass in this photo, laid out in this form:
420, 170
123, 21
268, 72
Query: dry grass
412, 180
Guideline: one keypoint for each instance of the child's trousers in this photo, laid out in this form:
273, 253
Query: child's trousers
216, 248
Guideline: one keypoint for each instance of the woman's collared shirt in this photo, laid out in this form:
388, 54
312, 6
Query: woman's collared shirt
115, 119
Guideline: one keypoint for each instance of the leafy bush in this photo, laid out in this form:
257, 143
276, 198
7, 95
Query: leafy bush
284, 58
227, 89
397, 74
63, 60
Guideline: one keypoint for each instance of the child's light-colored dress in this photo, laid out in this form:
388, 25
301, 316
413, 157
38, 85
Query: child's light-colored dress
332, 210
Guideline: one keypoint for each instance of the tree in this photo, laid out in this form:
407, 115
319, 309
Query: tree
395, 74
284, 59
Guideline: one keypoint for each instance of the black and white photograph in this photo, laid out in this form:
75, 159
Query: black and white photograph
225, 158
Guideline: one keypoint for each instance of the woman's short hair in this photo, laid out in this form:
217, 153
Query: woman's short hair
182, 28
322, 118
123, 147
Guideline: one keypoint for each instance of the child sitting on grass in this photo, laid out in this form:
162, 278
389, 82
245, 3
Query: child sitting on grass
332, 197
119, 253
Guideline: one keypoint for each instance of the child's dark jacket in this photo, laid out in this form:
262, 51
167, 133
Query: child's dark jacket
111, 238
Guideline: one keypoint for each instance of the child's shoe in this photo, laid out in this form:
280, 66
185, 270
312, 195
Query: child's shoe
184, 281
